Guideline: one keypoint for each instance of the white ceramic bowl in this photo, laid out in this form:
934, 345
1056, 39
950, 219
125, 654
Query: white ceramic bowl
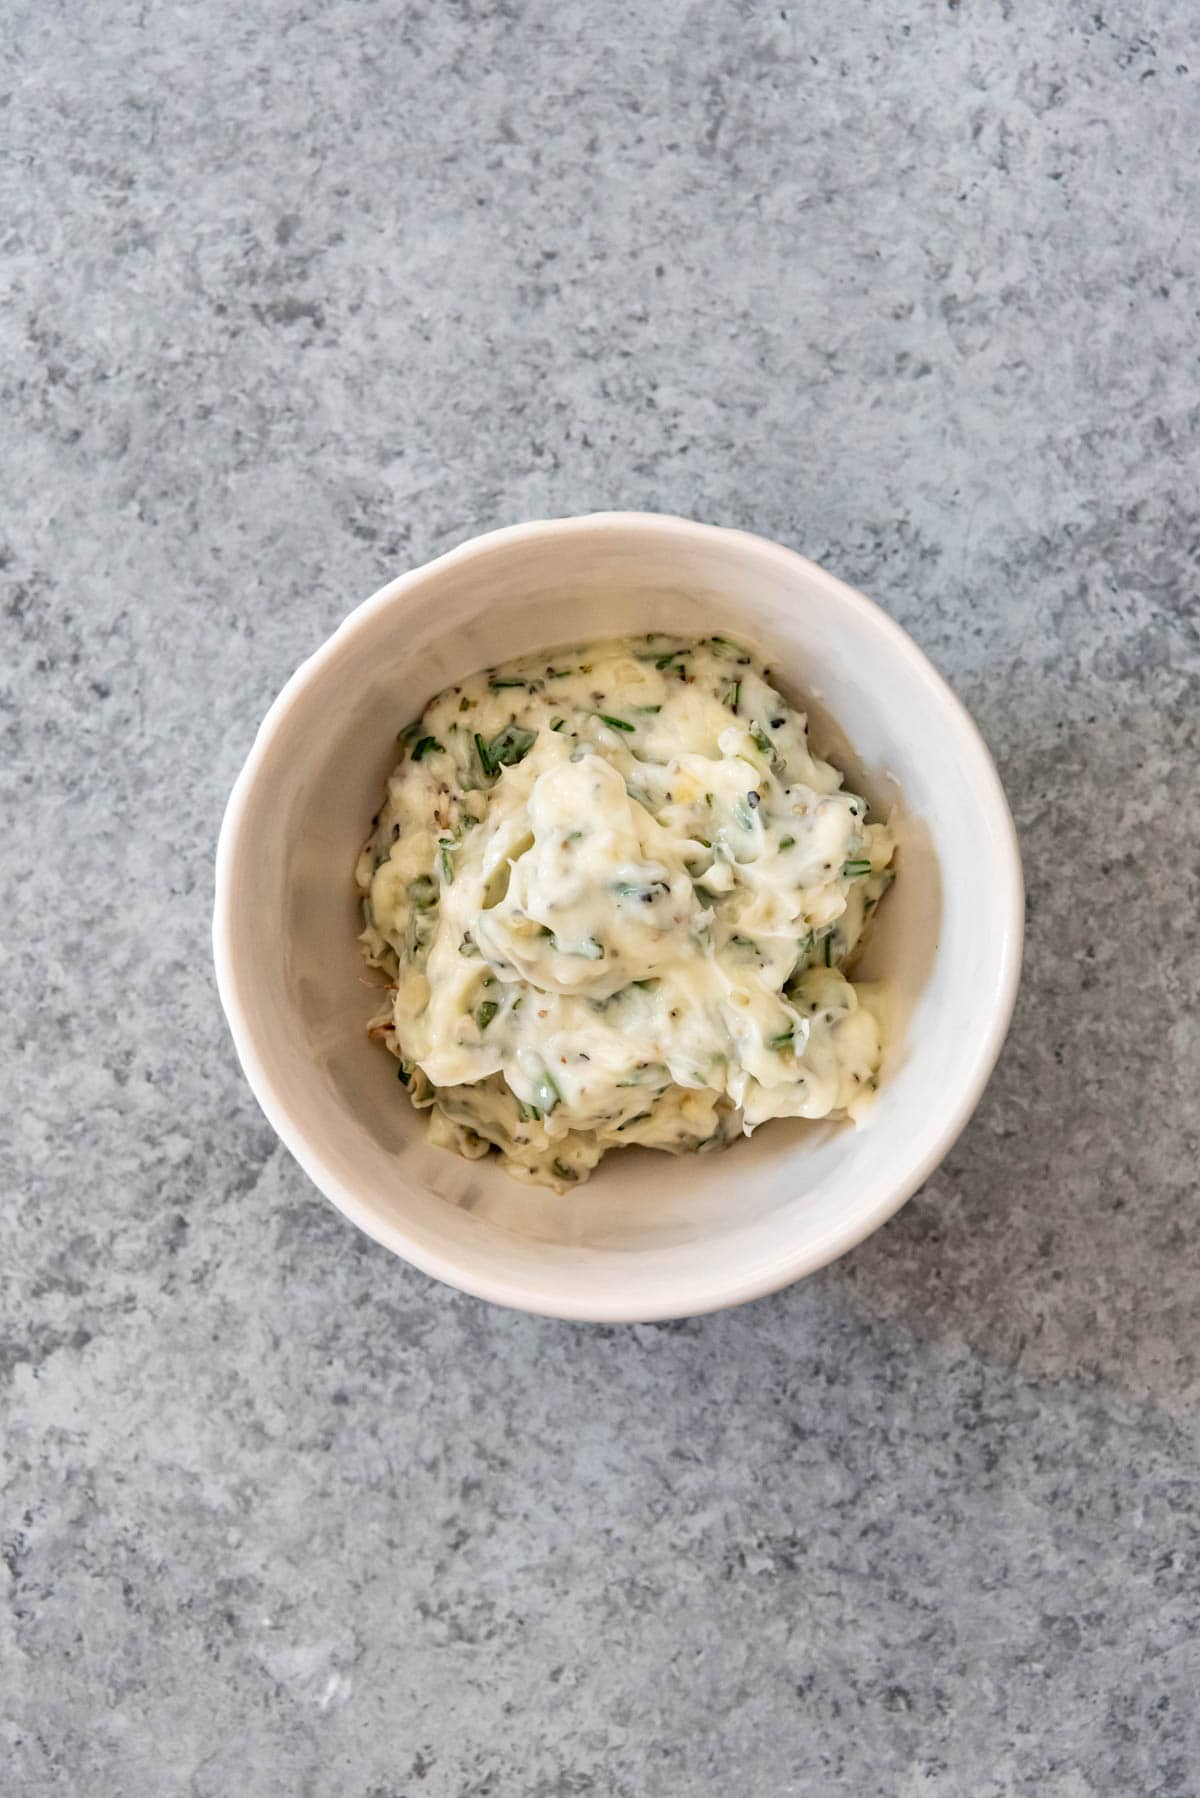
651, 1235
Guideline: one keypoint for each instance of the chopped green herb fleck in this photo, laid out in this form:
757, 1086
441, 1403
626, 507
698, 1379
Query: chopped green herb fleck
422, 892
485, 1011
445, 863
558, 724
783, 1041
496, 685
614, 723
787, 842
852, 869
563, 1171
761, 739
511, 746
481, 749
645, 891
527, 1114
546, 1093
403, 1074
425, 747
829, 950
732, 694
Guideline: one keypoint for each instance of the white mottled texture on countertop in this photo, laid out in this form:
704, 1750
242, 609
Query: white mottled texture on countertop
294, 296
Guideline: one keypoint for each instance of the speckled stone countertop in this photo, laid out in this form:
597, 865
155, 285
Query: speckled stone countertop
293, 296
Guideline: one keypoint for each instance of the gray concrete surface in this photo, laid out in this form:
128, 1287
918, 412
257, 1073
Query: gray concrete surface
295, 295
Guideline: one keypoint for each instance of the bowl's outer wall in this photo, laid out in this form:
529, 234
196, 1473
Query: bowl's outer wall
651, 1235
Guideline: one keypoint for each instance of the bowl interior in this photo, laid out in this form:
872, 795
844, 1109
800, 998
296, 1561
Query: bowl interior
650, 1235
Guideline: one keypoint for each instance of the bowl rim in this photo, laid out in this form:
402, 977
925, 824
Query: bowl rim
717, 1291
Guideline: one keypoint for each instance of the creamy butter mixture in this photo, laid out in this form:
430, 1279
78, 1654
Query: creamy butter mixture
613, 890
